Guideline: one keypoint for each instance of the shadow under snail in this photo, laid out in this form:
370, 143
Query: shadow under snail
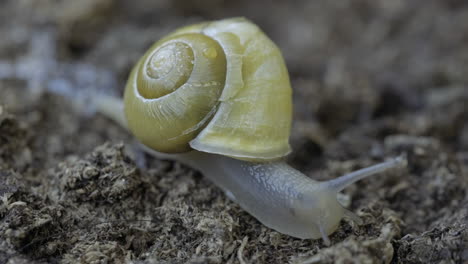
217, 97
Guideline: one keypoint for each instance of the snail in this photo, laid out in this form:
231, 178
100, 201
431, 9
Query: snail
217, 97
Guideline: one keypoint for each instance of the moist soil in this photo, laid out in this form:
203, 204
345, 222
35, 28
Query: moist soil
371, 79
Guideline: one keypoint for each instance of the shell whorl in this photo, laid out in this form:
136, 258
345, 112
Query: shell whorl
219, 87
165, 70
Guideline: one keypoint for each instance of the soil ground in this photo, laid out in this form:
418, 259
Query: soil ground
372, 79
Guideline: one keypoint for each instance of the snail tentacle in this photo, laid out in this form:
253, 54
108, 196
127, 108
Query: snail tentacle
325, 238
344, 181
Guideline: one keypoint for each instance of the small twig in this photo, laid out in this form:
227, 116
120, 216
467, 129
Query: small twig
241, 250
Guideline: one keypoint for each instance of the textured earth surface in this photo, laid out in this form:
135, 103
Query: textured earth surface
372, 79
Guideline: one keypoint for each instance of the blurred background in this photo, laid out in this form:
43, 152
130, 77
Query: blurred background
371, 79
374, 58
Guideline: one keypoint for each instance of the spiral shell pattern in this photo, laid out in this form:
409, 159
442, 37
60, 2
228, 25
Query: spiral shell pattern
219, 87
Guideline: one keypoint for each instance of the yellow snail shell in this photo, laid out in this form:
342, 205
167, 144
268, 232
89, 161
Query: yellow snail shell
219, 87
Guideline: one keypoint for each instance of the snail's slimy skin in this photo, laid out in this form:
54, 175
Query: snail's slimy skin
278, 195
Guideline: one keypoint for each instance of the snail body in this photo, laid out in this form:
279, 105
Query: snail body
216, 96
279, 196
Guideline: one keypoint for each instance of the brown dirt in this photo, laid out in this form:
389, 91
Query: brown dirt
372, 79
